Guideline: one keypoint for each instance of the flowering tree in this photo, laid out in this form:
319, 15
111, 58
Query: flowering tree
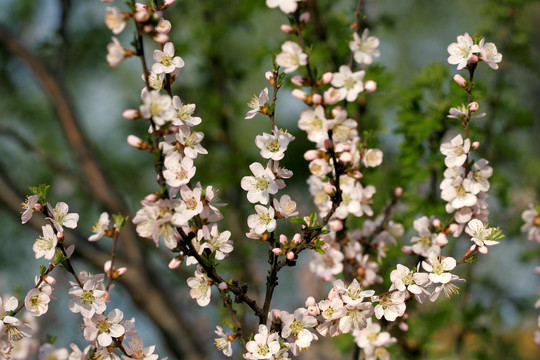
370, 290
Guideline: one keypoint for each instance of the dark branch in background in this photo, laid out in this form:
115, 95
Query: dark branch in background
139, 280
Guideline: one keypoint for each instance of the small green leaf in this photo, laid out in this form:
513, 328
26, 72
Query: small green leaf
312, 218
119, 220
298, 220
471, 259
41, 191
42, 270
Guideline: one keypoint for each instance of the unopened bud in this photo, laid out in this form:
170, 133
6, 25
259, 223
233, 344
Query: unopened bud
357, 174
328, 144
60, 235
176, 262
304, 17
298, 80
269, 76
297, 239
406, 250
336, 225
327, 78
287, 29
460, 80
150, 198
131, 114
473, 107
222, 286
310, 301
134, 141
474, 59
276, 251
370, 86
398, 192
161, 38
299, 94
316, 99
453, 227
275, 314
403, 326
345, 157
311, 155
329, 189
148, 28
290, 255
537, 270
283, 239
38, 207
475, 145
325, 247
436, 223
332, 96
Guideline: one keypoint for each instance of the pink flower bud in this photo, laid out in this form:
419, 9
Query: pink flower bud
460, 81
406, 250
370, 86
474, 59
329, 189
275, 314
403, 326
120, 271
311, 155
333, 294
175, 262
283, 239
310, 301
38, 207
163, 26
323, 331
131, 114
134, 141
298, 80
269, 76
161, 38
356, 174
453, 227
297, 239
537, 270
328, 144
398, 192
436, 223
346, 157
327, 77
317, 99
475, 145
299, 94
148, 28
304, 17
222, 286
336, 225
60, 235
473, 107
325, 247
287, 29
276, 251
290, 255
150, 198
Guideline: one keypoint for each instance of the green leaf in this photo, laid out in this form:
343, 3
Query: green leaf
41, 191
298, 220
471, 259
312, 218
119, 220
42, 270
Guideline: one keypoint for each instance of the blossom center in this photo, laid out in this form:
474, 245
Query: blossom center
88, 297
103, 326
261, 183
166, 60
272, 145
263, 349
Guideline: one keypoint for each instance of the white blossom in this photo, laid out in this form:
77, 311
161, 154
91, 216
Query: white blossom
165, 61
45, 245
461, 52
100, 227
364, 48
291, 57
350, 84
287, 6
256, 103
104, 329
200, 287
261, 185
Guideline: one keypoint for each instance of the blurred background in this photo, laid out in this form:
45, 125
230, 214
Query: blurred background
61, 124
